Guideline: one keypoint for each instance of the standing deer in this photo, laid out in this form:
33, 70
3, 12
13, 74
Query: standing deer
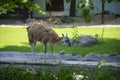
38, 32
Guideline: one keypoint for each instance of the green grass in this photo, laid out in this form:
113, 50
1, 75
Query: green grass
15, 39
11, 72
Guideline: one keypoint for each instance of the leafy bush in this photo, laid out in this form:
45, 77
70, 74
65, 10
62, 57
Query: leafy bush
75, 34
98, 73
101, 72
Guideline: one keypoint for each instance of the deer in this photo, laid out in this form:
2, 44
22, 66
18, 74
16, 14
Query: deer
43, 34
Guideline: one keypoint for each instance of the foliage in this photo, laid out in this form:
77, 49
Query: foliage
75, 34
100, 36
11, 5
49, 2
63, 73
86, 7
7, 5
101, 72
68, 1
13, 73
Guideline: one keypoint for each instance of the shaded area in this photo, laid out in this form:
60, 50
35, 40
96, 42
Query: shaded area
110, 21
12, 22
15, 48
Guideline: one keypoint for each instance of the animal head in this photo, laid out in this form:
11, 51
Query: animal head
66, 40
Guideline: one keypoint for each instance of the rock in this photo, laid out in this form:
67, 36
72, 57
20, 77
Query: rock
92, 57
113, 54
74, 54
27, 57
70, 57
115, 58
99, 57
62, 52
85, 40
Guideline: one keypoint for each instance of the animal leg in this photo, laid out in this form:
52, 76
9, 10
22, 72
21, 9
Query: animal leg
32, 49
45, 49
51, 47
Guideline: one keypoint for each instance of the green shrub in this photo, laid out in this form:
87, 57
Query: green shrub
100, 72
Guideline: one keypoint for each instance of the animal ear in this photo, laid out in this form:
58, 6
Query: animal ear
62, 35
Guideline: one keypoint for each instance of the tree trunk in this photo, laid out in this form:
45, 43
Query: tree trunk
72, 8
102, 15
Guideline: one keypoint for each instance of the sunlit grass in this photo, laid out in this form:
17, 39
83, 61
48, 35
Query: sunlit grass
15, 39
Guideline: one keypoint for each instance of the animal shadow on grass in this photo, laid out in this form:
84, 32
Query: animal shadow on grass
107, 45
16, 48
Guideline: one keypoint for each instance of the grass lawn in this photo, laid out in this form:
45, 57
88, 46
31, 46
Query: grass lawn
15, 39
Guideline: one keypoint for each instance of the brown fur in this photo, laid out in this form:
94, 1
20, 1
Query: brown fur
37, 32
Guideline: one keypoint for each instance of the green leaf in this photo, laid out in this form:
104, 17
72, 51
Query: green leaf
109, 1
2, 11
87, 18
87, 3
48, 1
42, 12
85, 12
103, 1
24, 1
86, 15
81, 5
92, 8
68, 1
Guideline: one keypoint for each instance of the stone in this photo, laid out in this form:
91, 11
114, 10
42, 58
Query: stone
85, 40
92, 57
62, 52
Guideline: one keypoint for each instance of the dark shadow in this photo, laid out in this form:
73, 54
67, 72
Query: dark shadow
12, 22
25, 43
106, 46
16, 48
71, 22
